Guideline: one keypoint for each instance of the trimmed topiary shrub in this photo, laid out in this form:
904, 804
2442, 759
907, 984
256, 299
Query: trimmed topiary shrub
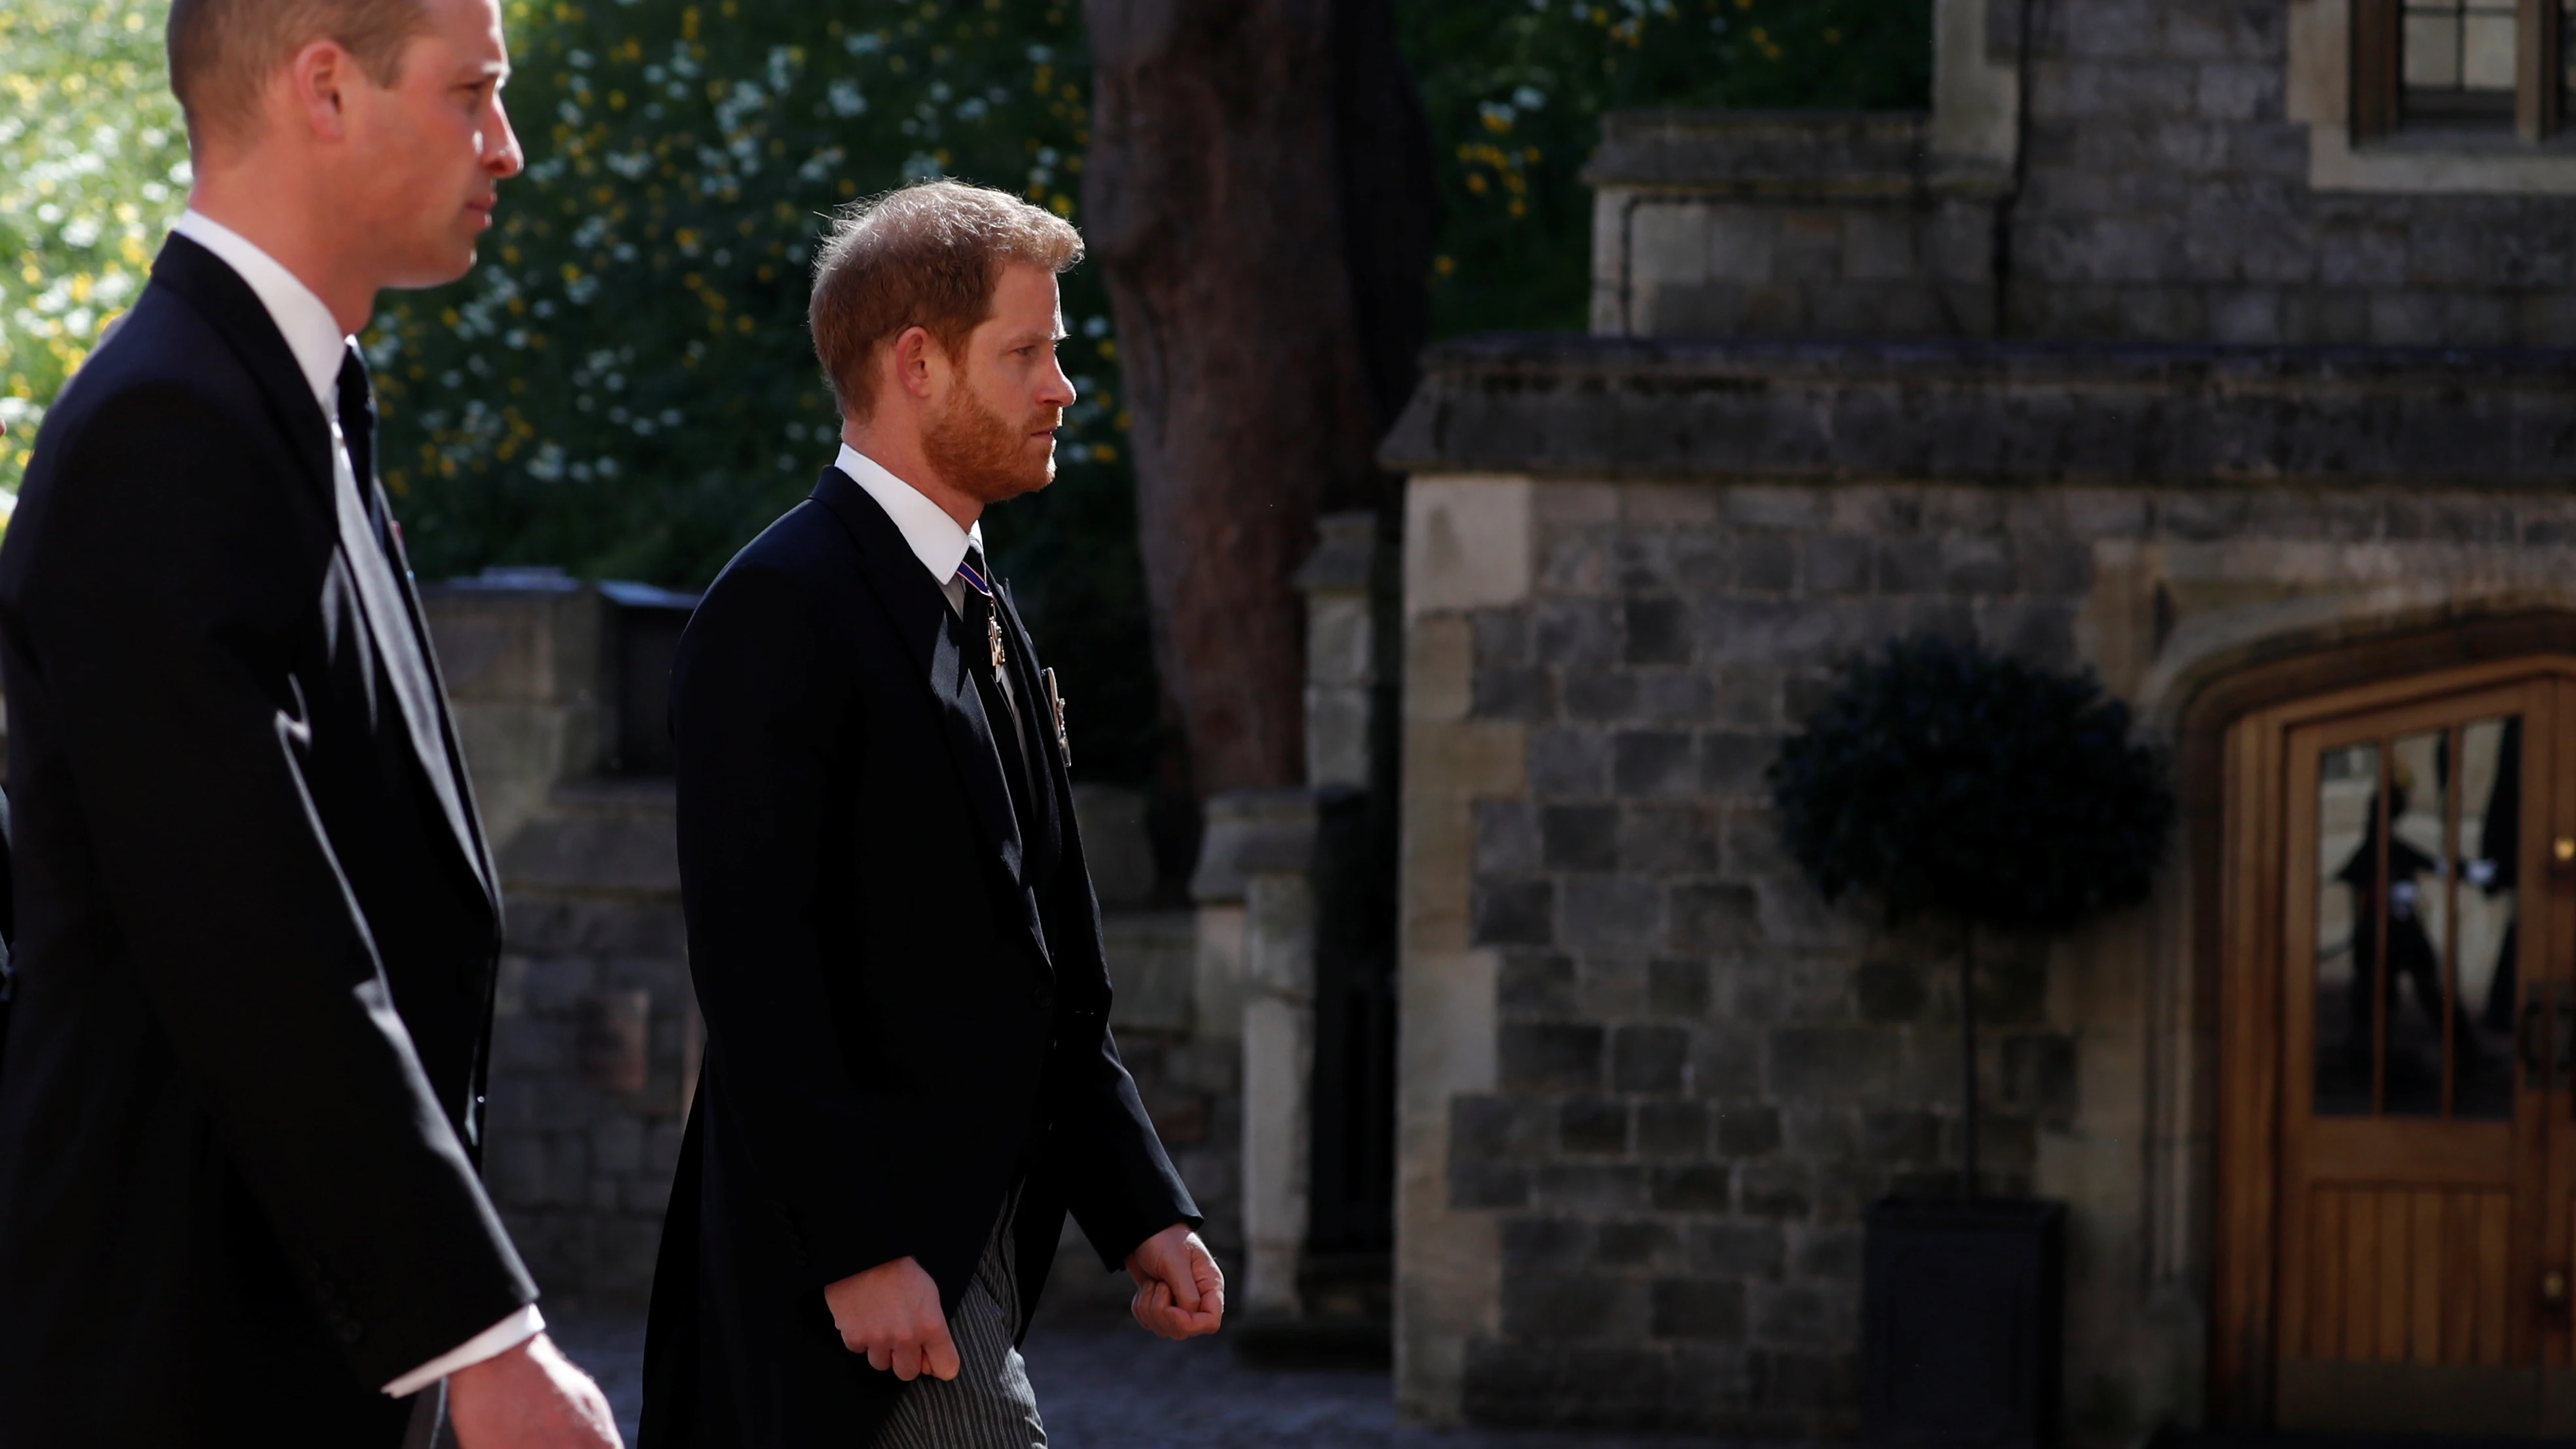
1943, 780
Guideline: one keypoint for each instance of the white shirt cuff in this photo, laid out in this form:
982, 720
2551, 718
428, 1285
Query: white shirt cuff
492, 1342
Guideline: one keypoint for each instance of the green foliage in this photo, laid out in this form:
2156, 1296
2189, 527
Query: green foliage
1939, 778
93, 169
1516, 89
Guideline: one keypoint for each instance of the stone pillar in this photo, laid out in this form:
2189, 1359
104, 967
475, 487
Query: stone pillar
1256, 972
1278, 1056
1341, 654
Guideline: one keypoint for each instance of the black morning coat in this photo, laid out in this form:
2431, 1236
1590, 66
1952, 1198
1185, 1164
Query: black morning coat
256, 926
905, 999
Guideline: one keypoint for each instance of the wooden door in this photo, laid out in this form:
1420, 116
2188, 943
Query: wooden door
2426, 1023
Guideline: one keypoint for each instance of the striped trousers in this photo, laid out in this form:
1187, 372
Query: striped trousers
989, 1405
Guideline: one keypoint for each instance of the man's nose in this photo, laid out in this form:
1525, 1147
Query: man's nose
501, 153
1059, 388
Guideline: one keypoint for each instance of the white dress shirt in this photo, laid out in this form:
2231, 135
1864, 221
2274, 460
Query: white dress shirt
938, 542
315, 338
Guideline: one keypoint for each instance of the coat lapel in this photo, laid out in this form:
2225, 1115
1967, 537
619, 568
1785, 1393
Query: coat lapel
391, 613
935, 639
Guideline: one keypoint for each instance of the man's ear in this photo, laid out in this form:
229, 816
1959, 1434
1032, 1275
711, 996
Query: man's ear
314, 79
917, 359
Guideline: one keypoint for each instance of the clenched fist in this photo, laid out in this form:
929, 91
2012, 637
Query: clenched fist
891, 1314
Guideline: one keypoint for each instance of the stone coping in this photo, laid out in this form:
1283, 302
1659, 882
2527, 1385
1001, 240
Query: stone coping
1989, 411
1793, 153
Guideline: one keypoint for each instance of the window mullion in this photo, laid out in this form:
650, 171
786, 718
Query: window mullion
2538, 79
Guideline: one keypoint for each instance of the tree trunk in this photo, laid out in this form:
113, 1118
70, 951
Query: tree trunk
1258, 193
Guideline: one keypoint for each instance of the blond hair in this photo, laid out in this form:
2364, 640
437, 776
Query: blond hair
222, 52
927, 255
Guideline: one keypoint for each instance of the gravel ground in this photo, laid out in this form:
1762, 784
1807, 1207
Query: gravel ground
1105, 1384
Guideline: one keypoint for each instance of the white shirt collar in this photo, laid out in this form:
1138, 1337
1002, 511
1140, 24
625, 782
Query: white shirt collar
933, 536
311, 332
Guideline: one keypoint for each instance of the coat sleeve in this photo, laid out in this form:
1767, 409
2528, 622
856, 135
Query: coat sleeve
760, 705
1120, 1184
160, 610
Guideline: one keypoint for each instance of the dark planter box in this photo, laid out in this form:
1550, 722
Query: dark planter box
1960, 1324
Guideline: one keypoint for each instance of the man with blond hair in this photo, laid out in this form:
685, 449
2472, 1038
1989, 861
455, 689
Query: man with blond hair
909, 1076
257, 922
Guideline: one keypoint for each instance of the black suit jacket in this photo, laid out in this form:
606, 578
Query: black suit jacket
906, 1002
257, 927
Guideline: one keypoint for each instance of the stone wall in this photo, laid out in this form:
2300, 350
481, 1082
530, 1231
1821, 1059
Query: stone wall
2179, 173
2169, 195
1650, 1079
595, 1033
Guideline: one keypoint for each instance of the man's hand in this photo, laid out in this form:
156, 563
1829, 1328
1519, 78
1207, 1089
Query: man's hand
891, 1314
1179, 1292
530, 1395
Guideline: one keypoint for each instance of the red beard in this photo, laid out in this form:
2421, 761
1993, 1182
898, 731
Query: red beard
982, 454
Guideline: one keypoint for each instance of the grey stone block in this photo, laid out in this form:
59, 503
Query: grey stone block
1793, 1313
1789, 1379
2235, 91
1569, 763
1889, 991
1588, 1187
1672, 1130
1498, 1130
2245, 315
1698, 1308
1517, 913
1536, 984
1565, 1057
1612, 987
1488, 1185
1975, 564
1909, 565
1702, 1188
1829, 1254
1738, 1251
1667, 840
555, 985
1901, 1139
1579, 837
1507, 838
1766, 563
1832, 1064
1677, 988
1592, 1126
1649, 1058
1654, 763
1502, 636
1740, 242
1580, 632
1776, 1189
1545, 1244
1610, 911
1676, 696
1747, 1129
1716, 920
1520, 692
1733, 763
1636, 1243
1658, 631
1600, 695
1837, 564
1726, 1064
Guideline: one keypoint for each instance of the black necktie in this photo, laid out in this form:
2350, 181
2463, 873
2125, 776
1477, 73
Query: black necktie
358, 430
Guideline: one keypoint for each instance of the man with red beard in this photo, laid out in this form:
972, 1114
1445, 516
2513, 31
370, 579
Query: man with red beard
909, 1076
